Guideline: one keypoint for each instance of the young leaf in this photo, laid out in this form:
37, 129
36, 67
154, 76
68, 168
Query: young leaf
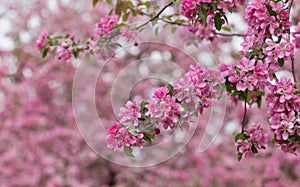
143, 104
133, 132
44, 52
259, 101
218, 22
239, 156
274, 139
128, 151
281, 62
148, 139
253, 149
240, 136
171, 89
95, 2
202, 15
248, 97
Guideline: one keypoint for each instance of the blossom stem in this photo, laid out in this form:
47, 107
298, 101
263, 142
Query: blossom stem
293, 69
245, 112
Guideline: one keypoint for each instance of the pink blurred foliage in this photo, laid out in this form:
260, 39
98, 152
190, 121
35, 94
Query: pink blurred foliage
40, 144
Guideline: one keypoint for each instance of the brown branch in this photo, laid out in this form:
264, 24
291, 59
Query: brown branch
157, 15
245, 112
230, 34
290, 6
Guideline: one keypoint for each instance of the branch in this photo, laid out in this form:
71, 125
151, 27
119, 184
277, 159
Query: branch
157, 15
290, 6
230, 34
293, 69
245, 113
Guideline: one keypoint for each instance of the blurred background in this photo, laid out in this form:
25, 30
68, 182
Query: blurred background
40, 144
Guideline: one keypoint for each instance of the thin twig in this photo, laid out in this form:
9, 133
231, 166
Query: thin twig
293, 69
292, 59
290, 6
245, 113
231, 34
157, 15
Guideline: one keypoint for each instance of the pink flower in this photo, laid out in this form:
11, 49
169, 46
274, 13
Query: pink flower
251, 141
188, 8
246, 65
106, 25
113, 130
160, 93
130, 114
41, 40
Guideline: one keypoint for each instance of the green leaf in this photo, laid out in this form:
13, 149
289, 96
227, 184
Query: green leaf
148, 139
239, 156
147, 4
259, 101
235, 93
53, 52
125, 16
281, 62
226, 19
44, 52
133, 132
75, 52
218, 22
248, 97
173, 30
238, 70
274, 139
202, 14
214, 5
171, 89
229, 86
95, 2
253, 149
226, 28
128, 151
240, 136
143, 104
180, 120
130, 4
204, 5
156, 7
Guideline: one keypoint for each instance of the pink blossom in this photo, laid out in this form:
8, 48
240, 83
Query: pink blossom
41, 40
105, 25
130, 114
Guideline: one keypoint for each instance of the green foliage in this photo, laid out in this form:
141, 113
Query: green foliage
171, 89
218, 22
128, 151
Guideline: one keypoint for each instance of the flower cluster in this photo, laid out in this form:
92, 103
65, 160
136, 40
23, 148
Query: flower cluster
119, 136
170, 107
275, 51
297, 36
284, 110
103, 41
195, 88
106, 25
247, 80
249, 142
268, 17
205, 14
41, 40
